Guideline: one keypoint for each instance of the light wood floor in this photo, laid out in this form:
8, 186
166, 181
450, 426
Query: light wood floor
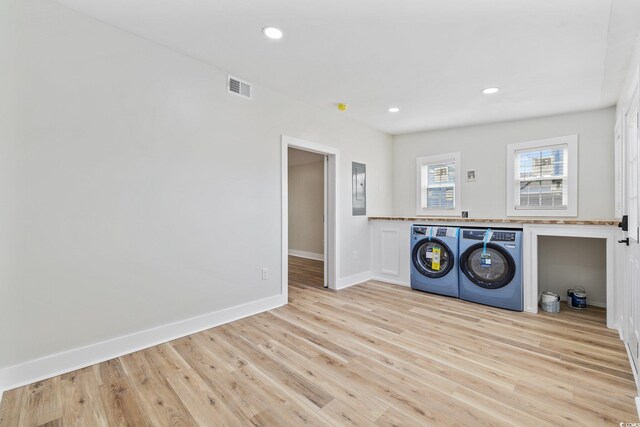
306, 272
370, 354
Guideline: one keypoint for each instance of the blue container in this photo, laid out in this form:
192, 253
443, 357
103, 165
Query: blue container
577, 298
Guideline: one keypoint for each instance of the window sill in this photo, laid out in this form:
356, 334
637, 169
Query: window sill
543, 212
439, 213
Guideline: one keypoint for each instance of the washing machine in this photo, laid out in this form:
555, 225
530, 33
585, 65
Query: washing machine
434, 254
491, 267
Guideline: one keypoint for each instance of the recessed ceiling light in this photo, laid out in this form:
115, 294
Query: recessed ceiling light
272, 32
490, 90
393, 109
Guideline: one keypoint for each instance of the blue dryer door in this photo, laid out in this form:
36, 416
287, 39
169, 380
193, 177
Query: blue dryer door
432, 258
492, 268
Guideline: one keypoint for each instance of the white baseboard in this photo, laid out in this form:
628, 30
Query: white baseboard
391, 281
355, 279
635, 375
71, 360
619, 324
308, 255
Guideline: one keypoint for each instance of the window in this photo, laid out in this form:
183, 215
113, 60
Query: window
438, 179
542, 177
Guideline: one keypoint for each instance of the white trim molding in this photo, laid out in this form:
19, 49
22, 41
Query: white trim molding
77, 358
421, 162
391, 281
307, 255
633, 371
332, 252
354, 279
531, 232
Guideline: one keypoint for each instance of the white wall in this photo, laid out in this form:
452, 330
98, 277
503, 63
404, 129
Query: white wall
134, 191
483, 148
306, 208
571, 262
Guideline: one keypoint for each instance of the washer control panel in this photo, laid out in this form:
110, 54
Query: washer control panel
503, 236
497, 236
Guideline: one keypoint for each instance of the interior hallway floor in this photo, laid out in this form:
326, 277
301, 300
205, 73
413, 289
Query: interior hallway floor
371, 354
304, 271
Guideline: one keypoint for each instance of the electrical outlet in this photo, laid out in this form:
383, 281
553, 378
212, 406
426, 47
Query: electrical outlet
265, 273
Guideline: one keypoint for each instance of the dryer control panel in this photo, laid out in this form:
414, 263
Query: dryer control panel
498, 236
420, 230
435, 231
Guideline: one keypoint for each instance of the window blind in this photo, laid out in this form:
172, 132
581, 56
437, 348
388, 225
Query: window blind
542, 178
440, 185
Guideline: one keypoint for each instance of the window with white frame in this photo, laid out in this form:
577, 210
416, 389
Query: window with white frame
542, 177
438, 185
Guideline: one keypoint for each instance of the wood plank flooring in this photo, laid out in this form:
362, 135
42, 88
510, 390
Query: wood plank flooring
372, 354
306, 272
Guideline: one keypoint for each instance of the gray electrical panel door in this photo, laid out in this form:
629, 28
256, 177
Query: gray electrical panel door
359, 188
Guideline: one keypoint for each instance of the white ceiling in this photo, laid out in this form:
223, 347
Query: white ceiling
430, 58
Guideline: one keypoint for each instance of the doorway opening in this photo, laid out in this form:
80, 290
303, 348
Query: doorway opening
309, 213
306, 217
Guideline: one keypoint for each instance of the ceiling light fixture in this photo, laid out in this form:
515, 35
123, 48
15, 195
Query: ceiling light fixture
490, 90
272, 32
393, 109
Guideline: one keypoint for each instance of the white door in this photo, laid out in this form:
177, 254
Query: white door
631, 284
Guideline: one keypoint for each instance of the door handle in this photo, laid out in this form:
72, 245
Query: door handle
624, 224
625, 241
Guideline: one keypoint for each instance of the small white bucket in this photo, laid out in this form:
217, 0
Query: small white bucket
550, 302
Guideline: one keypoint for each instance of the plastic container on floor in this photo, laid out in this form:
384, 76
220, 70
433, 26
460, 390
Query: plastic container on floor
550, 302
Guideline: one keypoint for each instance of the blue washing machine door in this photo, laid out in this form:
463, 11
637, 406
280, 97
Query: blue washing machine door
432, 258
492, 268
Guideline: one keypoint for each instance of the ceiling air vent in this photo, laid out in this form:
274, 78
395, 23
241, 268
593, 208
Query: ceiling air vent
239, 87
